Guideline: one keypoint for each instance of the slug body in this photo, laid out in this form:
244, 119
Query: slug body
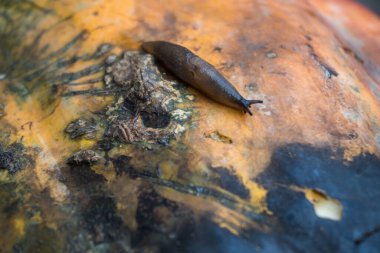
198, 73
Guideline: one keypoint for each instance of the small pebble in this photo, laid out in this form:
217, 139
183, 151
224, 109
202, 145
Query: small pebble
81, 128
252, 87
103, 49
84, 157
111, 59
107, 79
109, 70
271, 55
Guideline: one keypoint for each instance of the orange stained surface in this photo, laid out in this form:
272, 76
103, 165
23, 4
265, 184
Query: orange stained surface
361, 39
269, 50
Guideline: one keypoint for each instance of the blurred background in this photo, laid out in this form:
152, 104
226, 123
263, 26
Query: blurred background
372, 4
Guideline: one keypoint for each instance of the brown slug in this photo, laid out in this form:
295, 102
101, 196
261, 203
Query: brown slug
198, 73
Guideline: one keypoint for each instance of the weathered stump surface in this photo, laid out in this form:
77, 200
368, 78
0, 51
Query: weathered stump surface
102, 149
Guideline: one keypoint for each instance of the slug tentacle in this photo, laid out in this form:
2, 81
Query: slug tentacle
198, 73
251, 102
247, 104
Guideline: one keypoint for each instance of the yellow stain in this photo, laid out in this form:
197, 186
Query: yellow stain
258, 196
168, 169
19, 226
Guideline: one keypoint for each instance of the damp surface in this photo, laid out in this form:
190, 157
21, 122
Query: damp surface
102, 149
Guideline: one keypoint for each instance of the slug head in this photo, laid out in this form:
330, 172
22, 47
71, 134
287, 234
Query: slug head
247, 104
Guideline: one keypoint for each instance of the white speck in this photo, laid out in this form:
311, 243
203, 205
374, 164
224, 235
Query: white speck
179, 129
267, 113
2, 76
181, 115
261, 106
271, 55
351, 115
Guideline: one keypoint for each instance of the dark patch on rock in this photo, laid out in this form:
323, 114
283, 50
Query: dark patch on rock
204, 236
81, 128
96, 213
182, 231
15, 158
162, 223
10, 202
155, 119
230, 182
83, 181
83, 176
39, 238
101, 219
12, 207
148, 201
105, 145
122, 164
131, 106
354, 184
